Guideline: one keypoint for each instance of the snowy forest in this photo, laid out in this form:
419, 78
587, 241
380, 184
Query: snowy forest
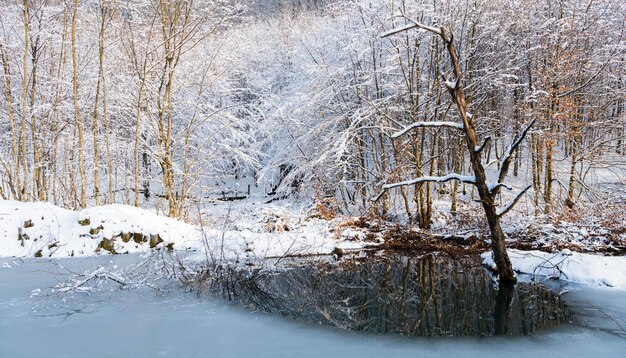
140, 102
257, 130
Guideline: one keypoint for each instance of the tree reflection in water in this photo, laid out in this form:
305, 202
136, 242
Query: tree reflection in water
430, 295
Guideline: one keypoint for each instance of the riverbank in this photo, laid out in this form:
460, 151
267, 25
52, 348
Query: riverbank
249, 230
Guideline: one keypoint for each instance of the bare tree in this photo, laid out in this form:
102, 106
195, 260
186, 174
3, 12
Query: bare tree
79, 120
487, 190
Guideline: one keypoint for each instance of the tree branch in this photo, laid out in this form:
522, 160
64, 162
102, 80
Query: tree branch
506, 160
506, 209
590, 79
454, 125
397, 30
412, 26
424, 179
482, 146
493, 187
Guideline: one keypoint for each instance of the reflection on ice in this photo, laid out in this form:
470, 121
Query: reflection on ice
148, 323
432, 295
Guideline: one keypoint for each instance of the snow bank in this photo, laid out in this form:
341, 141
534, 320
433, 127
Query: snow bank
44, 230
589, 269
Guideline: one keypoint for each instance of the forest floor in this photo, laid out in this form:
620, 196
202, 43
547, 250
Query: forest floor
598, 228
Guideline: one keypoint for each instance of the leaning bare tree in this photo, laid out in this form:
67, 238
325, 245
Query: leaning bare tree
487, 190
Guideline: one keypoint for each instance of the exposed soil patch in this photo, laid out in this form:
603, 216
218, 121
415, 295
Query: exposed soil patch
399, 239
601, 247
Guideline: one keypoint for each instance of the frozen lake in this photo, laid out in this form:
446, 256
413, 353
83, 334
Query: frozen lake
144, 323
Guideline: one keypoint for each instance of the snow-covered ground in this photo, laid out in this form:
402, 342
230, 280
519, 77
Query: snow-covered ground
226, 230
589, 269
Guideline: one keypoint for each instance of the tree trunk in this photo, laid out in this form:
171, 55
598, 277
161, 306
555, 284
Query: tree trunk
498, 244
79, 120
23, 154
12, 173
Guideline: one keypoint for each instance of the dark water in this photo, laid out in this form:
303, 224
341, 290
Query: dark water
431, 295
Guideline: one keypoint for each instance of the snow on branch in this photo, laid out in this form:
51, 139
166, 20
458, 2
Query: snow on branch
506, 209
522, 136
78, 285
455, 125
397, 30
411, 26
451, 85
424, 179
497, 186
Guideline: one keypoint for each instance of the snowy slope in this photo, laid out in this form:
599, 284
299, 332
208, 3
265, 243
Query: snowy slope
29, 228
42, 229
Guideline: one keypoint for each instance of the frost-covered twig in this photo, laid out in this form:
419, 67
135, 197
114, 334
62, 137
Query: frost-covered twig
77, 284
548, 264
145, 273
414, 24
454, 125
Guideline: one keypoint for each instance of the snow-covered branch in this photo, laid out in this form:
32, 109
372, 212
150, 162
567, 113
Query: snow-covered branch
398, 30
438, 179
511, 205
454, 125
78, 284
497, 186
522, 136
411, 26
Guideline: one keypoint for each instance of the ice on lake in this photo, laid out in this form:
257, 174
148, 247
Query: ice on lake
144, 323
